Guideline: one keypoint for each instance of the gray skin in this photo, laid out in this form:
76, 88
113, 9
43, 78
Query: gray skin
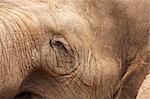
73, 49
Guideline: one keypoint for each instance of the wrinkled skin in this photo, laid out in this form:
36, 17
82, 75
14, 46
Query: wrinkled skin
73, 49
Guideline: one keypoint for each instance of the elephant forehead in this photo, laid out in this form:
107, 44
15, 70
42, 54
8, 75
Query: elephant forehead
74, 17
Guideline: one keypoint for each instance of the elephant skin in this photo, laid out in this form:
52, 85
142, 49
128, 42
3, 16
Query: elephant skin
74, 49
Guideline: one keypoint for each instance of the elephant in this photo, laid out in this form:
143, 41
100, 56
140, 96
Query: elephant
74, 49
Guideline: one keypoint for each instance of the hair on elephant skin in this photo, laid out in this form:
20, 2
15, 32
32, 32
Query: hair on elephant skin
74, 49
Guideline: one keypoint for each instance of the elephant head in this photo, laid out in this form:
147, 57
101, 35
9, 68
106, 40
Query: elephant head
73, 49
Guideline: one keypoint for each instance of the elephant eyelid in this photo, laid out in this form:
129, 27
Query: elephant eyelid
60, 45
59, 42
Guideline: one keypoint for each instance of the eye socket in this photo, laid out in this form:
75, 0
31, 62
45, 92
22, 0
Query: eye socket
58, 56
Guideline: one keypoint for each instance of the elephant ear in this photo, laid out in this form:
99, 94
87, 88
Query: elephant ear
133, 77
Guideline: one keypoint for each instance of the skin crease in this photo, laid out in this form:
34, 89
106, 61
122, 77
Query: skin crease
73, 49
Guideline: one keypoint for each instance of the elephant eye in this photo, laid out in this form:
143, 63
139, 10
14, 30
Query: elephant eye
63, 59
60, 45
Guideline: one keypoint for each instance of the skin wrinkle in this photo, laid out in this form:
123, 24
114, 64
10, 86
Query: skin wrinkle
14, 46
5, 50
6, 69
83, 82
2, 54
29, 56
59, 61
99, 60
26, 56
